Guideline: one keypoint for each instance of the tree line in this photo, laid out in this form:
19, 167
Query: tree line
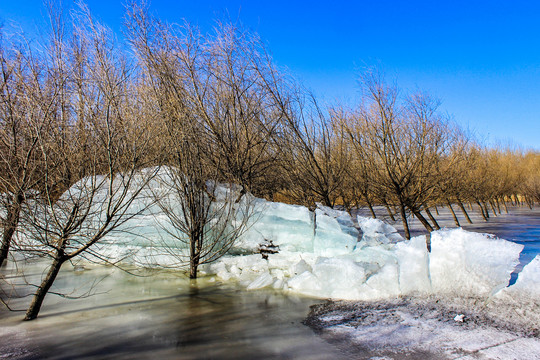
87, 121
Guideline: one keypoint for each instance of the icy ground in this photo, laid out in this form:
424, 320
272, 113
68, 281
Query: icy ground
426, 328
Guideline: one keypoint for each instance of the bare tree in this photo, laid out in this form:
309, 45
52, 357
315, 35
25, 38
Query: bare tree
26, 101
531, 167
97, 140
220, 80
402, 143
200, 215
218, 127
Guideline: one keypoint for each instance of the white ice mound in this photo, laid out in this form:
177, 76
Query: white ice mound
377, 232
464, 262
296, 229
339, 278
461, 263
527, 286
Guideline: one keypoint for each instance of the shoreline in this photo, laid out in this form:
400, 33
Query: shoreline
428, 327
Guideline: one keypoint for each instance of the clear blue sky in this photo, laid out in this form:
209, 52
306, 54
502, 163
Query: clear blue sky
481, 58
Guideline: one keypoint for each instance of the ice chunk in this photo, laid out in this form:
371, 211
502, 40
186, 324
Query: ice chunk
343, 218
330, 239
385, 281
527, 285
301, 266
247, 243
412, 257
288, 226
468, 263
377, 232
529, 279
338, 278
278, 284
306, 283
264, 280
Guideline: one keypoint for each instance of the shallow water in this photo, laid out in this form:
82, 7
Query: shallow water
161, 316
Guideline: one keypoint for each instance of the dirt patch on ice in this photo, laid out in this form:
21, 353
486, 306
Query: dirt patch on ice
429, 328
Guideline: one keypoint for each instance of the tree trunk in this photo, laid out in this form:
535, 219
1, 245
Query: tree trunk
9, 230
193, 269
432, 218
462, 207
43, 289
486, 209
496, 200
390, 213
456, 221
12, 221
193, 256
372, 210
423, 220
370, 205
404, 220
428, 227
530, 202
482, 210
503, 200
326, 200
492, 207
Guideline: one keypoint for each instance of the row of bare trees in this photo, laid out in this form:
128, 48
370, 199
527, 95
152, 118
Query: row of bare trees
400, 152
86, 123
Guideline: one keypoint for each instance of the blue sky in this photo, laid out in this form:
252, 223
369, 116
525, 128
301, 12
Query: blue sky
481, 58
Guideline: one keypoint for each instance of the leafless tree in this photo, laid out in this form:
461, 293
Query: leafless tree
218, 127
403, 141
26, 101
97, 141
219, 78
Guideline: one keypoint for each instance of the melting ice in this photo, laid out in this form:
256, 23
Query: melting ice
323, 254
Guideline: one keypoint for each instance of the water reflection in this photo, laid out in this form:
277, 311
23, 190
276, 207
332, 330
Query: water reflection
163, 316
